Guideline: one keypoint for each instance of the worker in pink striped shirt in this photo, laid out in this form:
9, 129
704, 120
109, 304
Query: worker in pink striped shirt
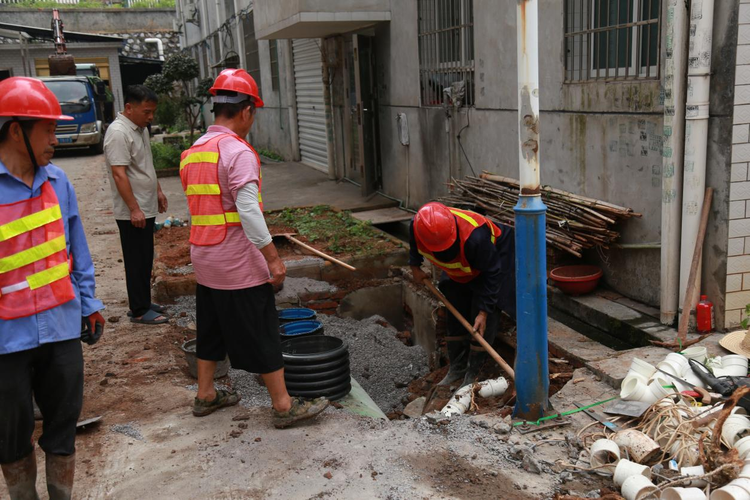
236, 263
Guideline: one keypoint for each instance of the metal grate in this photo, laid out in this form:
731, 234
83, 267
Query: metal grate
273, 51
612, 39
67, 129
252, 57
446, 48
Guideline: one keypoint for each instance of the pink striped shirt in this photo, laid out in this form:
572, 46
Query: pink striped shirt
234, 263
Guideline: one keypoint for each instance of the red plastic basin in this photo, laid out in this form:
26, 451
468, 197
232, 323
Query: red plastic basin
576, 280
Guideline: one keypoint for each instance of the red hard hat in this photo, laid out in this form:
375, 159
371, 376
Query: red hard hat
435, 227
237, 80
29, 98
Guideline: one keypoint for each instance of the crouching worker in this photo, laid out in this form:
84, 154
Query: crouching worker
235, 260
478, 261
46, 294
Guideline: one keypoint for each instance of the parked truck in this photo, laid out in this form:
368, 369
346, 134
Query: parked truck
85, 99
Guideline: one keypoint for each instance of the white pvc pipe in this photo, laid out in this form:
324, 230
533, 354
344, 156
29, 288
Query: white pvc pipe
528, 95
672, 151
159, 46
696, 138
461, 401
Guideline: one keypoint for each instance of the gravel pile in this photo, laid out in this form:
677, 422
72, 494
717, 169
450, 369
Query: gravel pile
380, 362
184, 304
130, 429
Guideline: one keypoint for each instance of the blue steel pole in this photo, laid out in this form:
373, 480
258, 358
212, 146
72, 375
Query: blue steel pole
532, 370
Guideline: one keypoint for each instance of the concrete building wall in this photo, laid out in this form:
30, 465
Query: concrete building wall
273, 122
10, 57
94, 20
738, 255
598, 139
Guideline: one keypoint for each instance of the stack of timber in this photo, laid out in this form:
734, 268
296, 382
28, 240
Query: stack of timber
574, 223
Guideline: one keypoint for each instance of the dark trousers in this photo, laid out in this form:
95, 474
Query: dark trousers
138, 256
464, 300
54, 374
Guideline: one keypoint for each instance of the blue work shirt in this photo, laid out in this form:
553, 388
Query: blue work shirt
64, 321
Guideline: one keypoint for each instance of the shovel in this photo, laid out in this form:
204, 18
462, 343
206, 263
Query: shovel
487, 347
291, 237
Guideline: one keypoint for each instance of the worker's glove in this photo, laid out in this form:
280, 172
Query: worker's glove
92, 328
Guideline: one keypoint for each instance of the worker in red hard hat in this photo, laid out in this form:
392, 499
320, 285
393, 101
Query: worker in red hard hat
47, 302
477, 260
236, 263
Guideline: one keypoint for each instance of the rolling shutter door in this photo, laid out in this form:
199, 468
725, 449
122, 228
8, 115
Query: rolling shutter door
311, 113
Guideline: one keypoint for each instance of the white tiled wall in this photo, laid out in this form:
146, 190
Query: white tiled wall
738, 255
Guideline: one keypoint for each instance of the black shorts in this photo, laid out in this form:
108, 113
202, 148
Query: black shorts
242, 323
54, 374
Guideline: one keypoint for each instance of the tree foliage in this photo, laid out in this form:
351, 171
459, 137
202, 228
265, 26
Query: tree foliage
177, 81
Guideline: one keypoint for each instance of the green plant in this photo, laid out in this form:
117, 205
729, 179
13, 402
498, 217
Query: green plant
167, 155
271, 155
151, 4
168, 111
746, 321
176, 81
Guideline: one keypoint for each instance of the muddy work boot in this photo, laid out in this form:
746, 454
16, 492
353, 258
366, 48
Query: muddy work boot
300, 410
20, 477
61, 471
458, 350
223, 398
476, 361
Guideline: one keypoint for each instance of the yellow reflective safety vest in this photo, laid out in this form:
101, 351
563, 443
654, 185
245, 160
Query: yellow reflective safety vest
199, 173
34, 264
459, 268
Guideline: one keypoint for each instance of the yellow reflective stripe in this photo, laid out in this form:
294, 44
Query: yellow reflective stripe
260, 198
201, 189
232, 216
465, 217
208, 220
492, 231
454, 265
48, 276
202, 157
32, 254
30, 222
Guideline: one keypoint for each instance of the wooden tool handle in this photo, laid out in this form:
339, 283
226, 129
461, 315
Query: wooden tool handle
687, 304
319, 253
487, 347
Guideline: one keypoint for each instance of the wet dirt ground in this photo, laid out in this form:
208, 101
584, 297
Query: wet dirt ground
148, 444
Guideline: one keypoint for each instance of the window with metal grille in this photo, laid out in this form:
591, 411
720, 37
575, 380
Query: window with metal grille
274, 53
252, 59
612, 39
446, 49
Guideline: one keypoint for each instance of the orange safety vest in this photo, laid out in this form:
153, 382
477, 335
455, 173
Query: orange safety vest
199, 172
34, 265
459, 269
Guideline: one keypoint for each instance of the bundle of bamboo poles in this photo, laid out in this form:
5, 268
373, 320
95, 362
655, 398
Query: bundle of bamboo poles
574, 223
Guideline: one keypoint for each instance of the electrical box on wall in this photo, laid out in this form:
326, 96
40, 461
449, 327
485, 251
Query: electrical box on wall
403, 128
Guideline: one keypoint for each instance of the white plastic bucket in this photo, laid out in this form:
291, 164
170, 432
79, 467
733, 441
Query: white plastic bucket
730, 492
683, 494
626, 468
633, 389
734, 365
696, 470
604, 452
743, 447
637, 486
696, 352
735, 427
642, 368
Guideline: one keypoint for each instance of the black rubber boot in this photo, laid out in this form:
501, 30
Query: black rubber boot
60, 474
458, 355
476, 361
20, 477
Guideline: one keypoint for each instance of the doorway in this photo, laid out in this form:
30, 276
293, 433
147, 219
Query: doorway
363, 164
